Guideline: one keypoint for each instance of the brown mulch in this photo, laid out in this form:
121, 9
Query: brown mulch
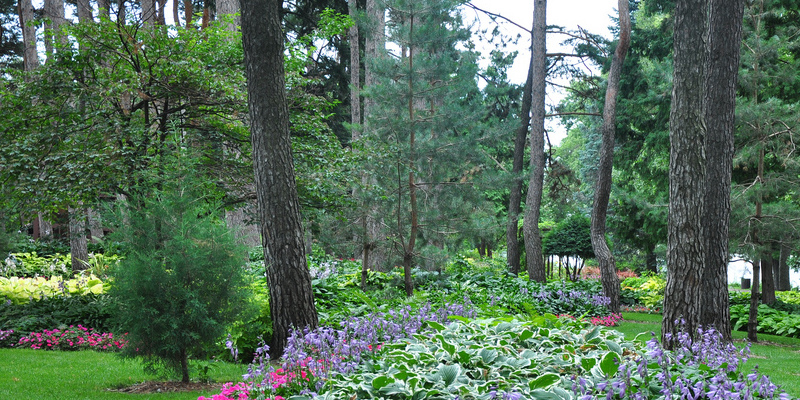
172, 386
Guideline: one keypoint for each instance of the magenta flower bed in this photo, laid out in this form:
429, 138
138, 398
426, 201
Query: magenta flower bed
72, 338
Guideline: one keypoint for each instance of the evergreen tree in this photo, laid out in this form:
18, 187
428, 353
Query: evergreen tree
421, 129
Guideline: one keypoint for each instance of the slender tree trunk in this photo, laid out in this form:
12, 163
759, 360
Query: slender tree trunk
54, 12
103, 9
291, 296
767, 282
602, 188
95, 225
176, 17
77, 238
513, 253
30, 55
533, 201
373, 253
408, 251
184, 366
651, 262
784, 279
685, 241
84, 11
149, 12
188, 8
230, 7
752, 320
725, 38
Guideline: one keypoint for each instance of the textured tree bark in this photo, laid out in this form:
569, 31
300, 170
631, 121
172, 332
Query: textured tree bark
79, 252
103, 8
84, 11
685, 240
767, 281
725, 38
30, 55
533, 200
752, 320
149, 12
373, 253
513, 253
54, 14
602, 188
291, 296
783, 276
188, 9
95, 225
230, 7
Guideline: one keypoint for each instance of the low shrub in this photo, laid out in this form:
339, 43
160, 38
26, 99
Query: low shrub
56, 312
770, 320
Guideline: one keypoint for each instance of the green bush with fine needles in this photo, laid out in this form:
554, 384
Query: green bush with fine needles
181, 283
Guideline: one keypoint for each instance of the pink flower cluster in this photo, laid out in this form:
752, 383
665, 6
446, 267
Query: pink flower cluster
72, 339
231, 391
608, 320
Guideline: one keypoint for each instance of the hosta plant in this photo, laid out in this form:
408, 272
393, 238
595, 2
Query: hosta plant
548, 358
22, 290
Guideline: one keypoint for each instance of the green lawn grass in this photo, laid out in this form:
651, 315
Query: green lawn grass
776, 356
77, 375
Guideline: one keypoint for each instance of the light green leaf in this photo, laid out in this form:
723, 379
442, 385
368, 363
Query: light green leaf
544, 381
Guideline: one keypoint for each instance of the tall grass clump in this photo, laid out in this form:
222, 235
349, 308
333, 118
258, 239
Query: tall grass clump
181, 283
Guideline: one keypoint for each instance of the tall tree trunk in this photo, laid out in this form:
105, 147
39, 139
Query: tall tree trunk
373, 253
103, 9
767, 282
725, 38
533, 201
149, 13
161, 6
409, 247
95, 225
188, 8
30, 55
602, 188
291, 297
230, 7
77, 238
84, 11
752, 320
54, 14
513, 253
783, 275
685, 241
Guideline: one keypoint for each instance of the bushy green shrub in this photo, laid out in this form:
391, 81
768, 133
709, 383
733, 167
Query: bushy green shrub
770, 320
181, 283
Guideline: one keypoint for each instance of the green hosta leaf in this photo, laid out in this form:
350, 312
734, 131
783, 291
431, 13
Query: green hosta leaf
544, 381
448, 347
449, 373
381, 381
562, 393
435, 325
592, 334
488, 355
610, 364
394, 388
588, 363
525, 335
540, 394
614, 346
464, 357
